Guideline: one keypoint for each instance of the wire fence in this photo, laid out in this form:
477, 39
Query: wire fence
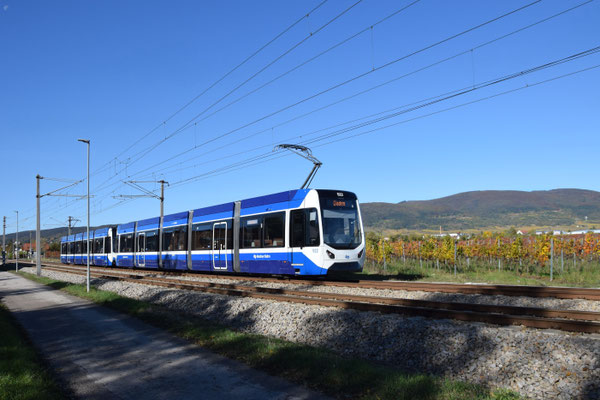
541, 254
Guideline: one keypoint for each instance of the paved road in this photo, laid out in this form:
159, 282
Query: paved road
103, 355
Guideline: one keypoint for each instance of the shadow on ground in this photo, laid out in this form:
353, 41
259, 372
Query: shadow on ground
376, 277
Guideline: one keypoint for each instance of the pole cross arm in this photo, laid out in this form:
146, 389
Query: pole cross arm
306, 153
81, 196
52, 193
149, 193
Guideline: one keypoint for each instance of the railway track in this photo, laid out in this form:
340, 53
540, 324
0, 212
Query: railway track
484, 289
566, 320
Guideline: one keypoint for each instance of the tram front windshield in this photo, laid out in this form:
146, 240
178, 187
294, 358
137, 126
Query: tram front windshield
341, 224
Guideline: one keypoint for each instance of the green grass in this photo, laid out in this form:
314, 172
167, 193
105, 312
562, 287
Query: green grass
317, 368
584, 275
22, 375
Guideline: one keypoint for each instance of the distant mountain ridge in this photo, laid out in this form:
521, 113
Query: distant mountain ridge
459, 212
479, 209
50, 235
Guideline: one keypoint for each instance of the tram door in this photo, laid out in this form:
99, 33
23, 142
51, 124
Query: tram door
219, 253
141, 255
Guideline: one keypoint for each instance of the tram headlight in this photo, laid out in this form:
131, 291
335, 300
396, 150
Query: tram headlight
330, 254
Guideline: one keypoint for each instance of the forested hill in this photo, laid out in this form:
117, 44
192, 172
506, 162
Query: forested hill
488, 208
459, 212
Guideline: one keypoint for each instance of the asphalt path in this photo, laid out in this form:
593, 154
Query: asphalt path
101, 354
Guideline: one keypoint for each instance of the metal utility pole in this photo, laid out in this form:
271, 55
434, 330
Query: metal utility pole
160, 221
87, 141
16, 246
162, 197
38, 247
303, 152
4, 242
71, 219
134, 184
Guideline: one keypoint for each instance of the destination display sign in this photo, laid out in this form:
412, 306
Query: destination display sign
338, 203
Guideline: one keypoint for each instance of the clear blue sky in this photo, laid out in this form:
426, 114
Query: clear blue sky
111, 71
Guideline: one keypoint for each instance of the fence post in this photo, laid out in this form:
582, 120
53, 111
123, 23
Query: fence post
420, 259
562, 256
384, 260
551, 257
498, 254
455, 258
403, 256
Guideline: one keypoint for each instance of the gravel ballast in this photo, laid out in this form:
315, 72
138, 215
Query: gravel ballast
518, 301
540, 364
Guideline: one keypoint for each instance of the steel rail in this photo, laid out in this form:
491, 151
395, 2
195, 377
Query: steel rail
476, 288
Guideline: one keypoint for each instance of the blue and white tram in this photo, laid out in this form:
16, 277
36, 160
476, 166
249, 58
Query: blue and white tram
64, 249
298, 232
101, 247
73, 248
77, 254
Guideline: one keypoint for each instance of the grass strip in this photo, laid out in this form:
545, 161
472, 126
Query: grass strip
317, 368
22, 374
587, 275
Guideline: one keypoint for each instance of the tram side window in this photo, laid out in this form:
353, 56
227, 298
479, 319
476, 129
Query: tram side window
201, 236
78, 247
251, 232
304, 229
107, 243
312, 238
140, 243
230, 234
274, 228
126, 243
99, 245
152, 240
182, 238
70, 248
220, 242
175, 238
